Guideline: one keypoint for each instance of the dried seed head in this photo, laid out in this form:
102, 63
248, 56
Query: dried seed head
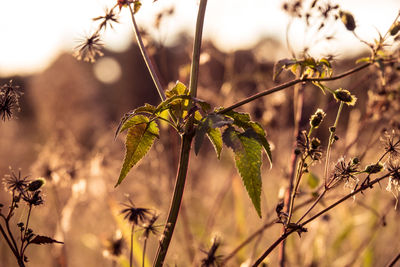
348, 20
345, 96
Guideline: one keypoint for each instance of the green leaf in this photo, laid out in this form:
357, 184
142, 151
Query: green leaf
322, 87
231, 139
215, 138
139, 139
146, 109
312, 180
363, 59
178, 89
201, 131
248, 163
261, 137
40, 240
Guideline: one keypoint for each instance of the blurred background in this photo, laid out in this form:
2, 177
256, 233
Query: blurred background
70, 110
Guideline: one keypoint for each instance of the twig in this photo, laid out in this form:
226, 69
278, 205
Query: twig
146, 57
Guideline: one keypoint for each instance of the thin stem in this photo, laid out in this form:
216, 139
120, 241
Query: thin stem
15, 252
131, 248
23, 238
176, 200
330, 142
394, 260
146, 57
289, 84
144, 251
296, 187
194, 70
312, 206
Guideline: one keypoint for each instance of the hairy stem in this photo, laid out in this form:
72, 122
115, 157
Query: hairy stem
146, 57
176, 200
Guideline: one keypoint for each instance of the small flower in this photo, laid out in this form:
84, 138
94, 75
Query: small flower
317, 118
135, 215
91, 47
345, 96
109, 17
212, 259
15, 182
149, 227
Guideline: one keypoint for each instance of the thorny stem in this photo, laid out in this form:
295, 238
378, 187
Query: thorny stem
185, 145
291, 83
146, 57
330, 142
286, 234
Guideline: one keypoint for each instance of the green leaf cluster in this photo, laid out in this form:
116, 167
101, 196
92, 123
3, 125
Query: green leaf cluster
246, 138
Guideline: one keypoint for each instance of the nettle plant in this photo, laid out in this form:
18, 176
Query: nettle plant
195, 120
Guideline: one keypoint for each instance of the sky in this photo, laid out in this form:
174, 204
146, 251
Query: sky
34, 33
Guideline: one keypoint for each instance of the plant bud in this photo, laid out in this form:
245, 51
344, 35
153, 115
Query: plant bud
315, 143
317, 118
348, 20
395, 28
373, 168
35, 185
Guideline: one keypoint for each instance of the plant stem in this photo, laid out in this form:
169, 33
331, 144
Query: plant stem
146, 57
186, 142
14, 251
289, 84
330, 142
194, 69
176, 200
144, 251
131, 248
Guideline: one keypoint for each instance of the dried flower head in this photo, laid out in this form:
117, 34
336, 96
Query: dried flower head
135, 215
345, 96
212, 259
33, 198
109, 18
15, 182
374, 168
317, 118
90, 48
114, 245
150, 227
309, 147
393, 186
391, 144
9, 95
346, 171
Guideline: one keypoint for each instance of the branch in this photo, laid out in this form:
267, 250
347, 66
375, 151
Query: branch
291, 83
